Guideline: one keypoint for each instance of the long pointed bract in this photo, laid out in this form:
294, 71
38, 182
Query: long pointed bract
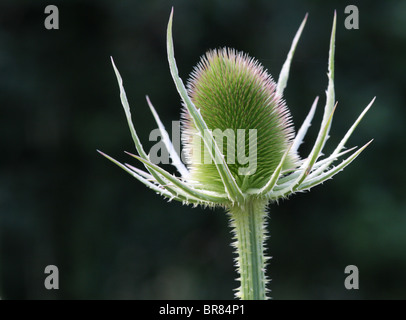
168, 143
284, 75
229, 182
330, 93
305, 126
127, 111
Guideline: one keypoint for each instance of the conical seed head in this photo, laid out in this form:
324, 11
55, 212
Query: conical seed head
250, 123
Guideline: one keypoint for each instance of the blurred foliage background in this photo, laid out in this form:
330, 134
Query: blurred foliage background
62, 203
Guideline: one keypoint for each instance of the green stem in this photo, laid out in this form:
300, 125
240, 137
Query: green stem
248, 222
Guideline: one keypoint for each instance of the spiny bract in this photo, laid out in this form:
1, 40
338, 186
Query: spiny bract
234, 92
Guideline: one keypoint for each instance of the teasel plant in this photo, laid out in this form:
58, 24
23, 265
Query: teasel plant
230, 90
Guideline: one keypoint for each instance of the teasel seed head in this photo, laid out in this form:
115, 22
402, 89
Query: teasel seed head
234, 91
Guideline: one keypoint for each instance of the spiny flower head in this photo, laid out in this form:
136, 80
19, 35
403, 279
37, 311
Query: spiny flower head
235, 94
229, 90
227, 95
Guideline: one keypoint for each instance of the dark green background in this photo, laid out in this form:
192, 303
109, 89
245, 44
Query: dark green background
62, 203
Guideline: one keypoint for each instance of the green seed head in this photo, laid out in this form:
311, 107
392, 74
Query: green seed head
250, 123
